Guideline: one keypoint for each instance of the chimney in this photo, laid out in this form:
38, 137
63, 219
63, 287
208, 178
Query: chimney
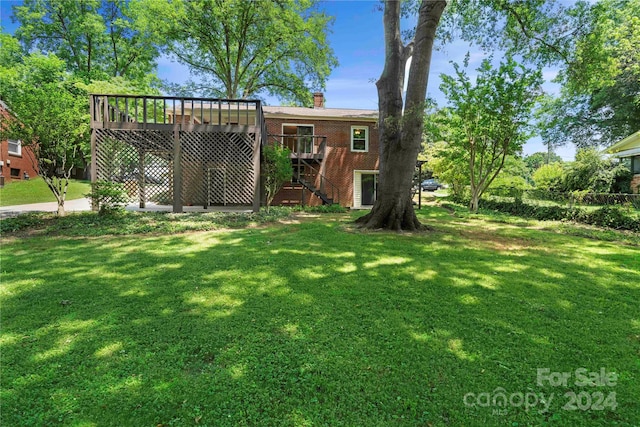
318, 100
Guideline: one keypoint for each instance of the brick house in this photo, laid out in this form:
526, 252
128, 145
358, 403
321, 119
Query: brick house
16, 161
206, 151
334, 153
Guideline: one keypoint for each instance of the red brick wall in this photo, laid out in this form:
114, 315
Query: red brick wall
23, 162
339, 161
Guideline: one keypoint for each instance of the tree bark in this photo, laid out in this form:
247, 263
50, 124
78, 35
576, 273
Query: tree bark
474, 202
400, 132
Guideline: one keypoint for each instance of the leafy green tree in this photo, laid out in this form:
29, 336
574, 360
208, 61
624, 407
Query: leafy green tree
401, 120
447, 160
49, 116
592, 172
534, 161
447, 163
538, 31
549, 177
97, 39
493, 113
513, 176
241, 49
276, 169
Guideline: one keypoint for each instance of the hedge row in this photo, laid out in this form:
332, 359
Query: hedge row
607, 216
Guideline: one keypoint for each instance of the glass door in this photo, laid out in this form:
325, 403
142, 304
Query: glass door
305, 139
369, 188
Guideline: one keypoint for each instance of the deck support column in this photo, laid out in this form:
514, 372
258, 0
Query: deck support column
256, 172
94, 165
141, 179
177, 172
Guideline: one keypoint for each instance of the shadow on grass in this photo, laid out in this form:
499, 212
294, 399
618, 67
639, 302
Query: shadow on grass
305, 324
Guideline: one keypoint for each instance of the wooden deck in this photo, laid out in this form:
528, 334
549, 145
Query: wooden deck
194, 151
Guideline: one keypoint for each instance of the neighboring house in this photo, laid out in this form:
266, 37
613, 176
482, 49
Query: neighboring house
205, 151
16, 161
629, 148
334, 153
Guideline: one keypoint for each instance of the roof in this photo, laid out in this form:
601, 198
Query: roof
320, 113
630, 146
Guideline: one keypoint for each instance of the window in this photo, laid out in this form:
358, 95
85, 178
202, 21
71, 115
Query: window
359, 138
15, 147
15, 173
298, 138
635, 164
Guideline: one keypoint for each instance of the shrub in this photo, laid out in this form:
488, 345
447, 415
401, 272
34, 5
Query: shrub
549, 177
611, 217
608, 216
276, 169
109, 196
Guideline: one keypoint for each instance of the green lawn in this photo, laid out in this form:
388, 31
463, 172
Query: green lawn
36, 191
310, 322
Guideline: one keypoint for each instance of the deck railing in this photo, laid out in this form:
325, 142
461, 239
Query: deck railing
176, 110
310, 146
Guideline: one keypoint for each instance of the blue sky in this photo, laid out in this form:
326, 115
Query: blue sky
357, 40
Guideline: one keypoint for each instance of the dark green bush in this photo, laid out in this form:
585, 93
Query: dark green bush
607, 216
24, 221
610, 217
109, 196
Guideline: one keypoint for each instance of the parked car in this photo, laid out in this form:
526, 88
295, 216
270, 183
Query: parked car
430, 185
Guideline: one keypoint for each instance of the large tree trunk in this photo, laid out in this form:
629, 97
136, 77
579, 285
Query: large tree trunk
401, 132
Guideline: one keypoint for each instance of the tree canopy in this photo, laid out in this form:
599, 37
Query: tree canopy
493, 115
97, 39
535, 160
241, 49
600, 98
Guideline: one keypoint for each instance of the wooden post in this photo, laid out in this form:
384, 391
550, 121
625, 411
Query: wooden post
94, 167
92, 108
177, 172
105, 109
420, 185
257, 147
141, 188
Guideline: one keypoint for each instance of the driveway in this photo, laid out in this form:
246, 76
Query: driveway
85, 205
69, 206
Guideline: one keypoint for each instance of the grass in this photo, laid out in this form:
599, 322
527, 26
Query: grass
310, 322
36, 191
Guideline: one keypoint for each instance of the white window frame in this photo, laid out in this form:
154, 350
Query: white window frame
313, 130
366, 139
18, 143
357, 190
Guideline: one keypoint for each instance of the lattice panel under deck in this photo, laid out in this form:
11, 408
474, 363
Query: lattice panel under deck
217, 168
140, 160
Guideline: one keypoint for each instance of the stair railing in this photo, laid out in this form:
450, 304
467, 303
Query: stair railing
309, 177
